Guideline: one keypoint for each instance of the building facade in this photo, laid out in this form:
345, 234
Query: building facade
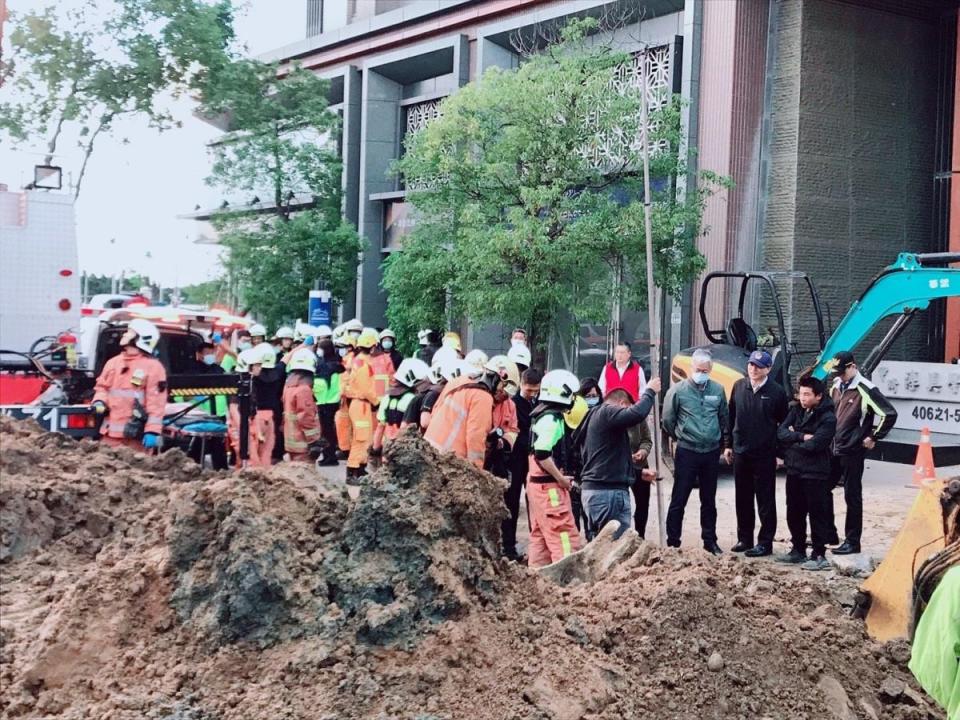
835, 118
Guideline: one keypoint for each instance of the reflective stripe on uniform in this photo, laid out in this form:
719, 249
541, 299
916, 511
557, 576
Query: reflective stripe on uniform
155, 420
125, 392
361, 423
454, 431
475, 455
565, 543
311, 433
554, 497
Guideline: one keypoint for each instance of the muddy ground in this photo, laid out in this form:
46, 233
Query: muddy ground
134, 587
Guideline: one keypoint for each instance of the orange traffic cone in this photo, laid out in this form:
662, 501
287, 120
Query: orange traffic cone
923, 468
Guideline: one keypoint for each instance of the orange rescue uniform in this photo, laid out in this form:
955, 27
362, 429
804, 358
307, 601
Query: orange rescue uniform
301, 421
361, 399
124, 381
461, 420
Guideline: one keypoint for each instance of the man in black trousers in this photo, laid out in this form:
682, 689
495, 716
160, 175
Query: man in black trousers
519, 459
757, 407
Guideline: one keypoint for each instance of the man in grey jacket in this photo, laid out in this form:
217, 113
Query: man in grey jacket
608, 470
695, 414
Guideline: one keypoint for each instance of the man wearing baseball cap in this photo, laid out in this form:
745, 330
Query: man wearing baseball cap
859, 404
757, 407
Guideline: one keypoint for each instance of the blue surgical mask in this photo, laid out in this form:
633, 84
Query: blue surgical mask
342, 352
701, 377
387, 344
244, 345
209, 359
593, 401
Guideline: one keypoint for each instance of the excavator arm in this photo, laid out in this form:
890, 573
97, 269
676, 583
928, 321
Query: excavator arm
903, 288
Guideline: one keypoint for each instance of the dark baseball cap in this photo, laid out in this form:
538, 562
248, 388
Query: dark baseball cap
760, 358
842, 360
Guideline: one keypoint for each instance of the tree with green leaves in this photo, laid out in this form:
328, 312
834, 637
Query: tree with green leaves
528, 198
289, 237
76, 71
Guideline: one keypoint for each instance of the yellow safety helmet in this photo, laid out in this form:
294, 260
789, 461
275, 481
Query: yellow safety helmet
452, 340
368, 338
577, 412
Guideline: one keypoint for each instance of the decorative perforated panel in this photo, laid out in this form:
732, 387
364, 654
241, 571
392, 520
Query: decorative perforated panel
420, 115
611, 147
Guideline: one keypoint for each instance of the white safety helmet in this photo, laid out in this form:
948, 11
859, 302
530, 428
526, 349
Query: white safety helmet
353, 326
284, 333
148, 335
559, 386
412, 371
447, 363
258, 330
249, 357
520, 354
303, 359
508, 372
475, 361
424, 336
324, 332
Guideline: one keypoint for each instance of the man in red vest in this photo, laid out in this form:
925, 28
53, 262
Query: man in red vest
623, 373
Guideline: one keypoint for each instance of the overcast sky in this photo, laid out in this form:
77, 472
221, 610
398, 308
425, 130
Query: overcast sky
133, 192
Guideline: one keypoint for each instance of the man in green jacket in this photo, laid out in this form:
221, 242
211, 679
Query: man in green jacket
695, 415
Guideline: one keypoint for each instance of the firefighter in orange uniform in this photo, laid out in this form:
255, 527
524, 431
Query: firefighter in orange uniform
383, 370
553, 532
463, 416
301, 421
361, 398
132, 391
344, 344
505, 428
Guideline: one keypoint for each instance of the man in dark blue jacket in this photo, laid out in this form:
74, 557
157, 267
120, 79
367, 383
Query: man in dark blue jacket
806, 435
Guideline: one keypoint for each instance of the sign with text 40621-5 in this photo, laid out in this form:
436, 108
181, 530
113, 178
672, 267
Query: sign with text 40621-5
924, 394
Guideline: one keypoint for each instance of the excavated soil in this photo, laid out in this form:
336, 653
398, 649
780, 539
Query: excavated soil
134, 587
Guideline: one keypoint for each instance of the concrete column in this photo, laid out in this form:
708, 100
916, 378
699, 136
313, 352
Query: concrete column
378, 148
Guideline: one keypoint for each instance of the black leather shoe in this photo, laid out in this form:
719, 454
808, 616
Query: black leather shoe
759, 551
713, 549
793, 557
846, 549
741, 546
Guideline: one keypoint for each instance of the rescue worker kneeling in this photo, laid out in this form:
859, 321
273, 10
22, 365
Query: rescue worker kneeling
394, 405
302, 434
553, 533
132, 391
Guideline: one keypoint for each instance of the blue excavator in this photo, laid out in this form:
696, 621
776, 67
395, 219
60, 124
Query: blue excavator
902, 289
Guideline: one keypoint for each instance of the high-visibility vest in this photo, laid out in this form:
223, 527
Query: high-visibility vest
327, 393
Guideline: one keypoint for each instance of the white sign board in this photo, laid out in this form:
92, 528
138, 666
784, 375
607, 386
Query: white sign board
924, 394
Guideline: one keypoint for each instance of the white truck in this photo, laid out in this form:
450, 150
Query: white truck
39, 269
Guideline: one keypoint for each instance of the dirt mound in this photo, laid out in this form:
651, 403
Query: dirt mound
138, 587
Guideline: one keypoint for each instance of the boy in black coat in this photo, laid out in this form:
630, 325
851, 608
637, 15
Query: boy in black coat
805, 436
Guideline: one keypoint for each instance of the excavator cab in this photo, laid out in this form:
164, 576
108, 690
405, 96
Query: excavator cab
731, 344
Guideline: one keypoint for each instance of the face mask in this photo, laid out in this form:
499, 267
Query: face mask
387, 344
592, 401
700, 377
209, 359
244, 345
342, 352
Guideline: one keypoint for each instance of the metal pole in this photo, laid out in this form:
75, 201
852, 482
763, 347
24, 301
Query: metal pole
651, 297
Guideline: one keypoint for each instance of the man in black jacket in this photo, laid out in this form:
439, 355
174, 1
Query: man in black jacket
608, 469
806, 435
519, 460
858, 403
757, 407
